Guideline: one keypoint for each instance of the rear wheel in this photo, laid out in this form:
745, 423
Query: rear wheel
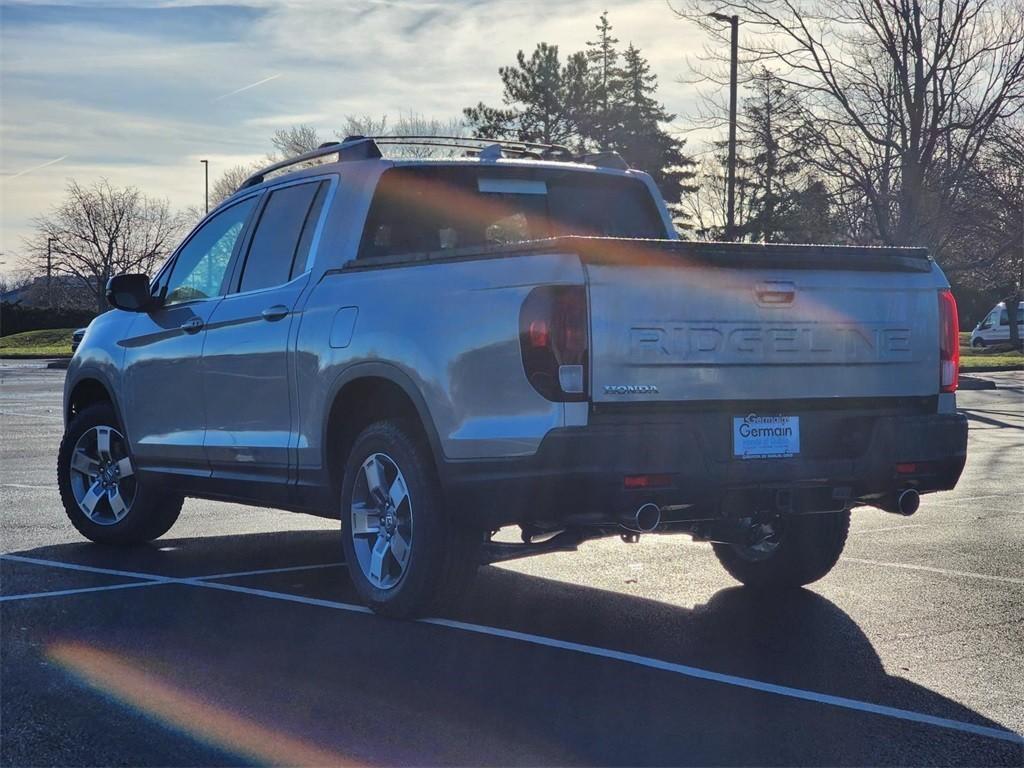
787, 552
405, 555
102, 495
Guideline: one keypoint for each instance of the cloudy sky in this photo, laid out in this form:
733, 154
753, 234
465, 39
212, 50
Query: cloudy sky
138, 92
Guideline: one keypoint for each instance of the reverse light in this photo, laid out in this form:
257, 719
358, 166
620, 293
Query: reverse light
949, 342
553, 339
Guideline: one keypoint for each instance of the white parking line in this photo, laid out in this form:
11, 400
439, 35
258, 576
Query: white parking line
23, 485
148, 579
85, 568
929, 569
682, 670
264, 571
60, 592
886, 528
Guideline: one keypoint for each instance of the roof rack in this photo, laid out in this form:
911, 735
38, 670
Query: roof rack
367, 148
352, 148
513, 147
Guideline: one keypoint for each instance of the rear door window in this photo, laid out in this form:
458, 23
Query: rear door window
280, 244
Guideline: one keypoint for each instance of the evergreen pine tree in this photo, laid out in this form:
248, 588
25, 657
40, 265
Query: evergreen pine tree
543, 99
640, 136
603, 77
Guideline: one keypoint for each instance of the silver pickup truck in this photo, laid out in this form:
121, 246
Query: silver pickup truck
433, 349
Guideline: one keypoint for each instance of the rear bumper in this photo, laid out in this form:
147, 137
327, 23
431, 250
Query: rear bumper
577, 474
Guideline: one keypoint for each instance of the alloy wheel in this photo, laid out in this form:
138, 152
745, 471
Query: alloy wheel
102, 475
381, 523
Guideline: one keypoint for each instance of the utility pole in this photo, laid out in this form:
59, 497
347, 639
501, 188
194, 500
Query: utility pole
730, 220
49, 270
206, 186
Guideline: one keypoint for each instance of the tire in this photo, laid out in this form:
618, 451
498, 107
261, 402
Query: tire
424, 561
977, 344
808, 547
143, 513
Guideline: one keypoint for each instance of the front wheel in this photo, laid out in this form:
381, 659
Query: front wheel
406, 556
102, 495
787, 552
977, 343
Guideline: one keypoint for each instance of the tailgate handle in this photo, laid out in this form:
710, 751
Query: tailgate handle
775, 294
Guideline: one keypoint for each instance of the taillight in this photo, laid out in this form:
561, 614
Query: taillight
949, 342
553, 338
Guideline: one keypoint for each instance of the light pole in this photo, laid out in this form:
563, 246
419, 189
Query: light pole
49, 270
206, 185
730, 217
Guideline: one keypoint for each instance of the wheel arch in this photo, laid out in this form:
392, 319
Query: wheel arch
89, 389
365, 393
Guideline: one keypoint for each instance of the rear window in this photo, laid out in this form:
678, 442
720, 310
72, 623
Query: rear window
422, 209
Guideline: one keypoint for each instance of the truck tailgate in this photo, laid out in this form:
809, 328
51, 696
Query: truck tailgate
678, 322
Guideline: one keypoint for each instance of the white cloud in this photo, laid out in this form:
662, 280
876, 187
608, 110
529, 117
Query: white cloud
136, 105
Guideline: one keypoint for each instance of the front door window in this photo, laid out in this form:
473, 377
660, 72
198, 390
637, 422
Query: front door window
202, 263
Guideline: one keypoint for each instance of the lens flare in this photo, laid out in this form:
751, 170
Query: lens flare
129, 682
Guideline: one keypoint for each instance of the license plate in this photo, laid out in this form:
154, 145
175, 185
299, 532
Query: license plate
765, 437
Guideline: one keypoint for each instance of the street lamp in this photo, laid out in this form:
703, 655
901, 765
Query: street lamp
730, 220
206, 174
49, 270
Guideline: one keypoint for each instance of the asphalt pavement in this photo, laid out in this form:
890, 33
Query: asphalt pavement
236, 638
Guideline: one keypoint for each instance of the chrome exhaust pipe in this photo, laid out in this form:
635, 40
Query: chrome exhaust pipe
644, 520
908, 502
905, 502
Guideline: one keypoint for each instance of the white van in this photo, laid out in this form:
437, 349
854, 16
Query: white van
995, 328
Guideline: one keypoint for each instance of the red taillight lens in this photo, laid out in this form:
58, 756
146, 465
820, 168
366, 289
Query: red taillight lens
949, 342
553, 339
632, 482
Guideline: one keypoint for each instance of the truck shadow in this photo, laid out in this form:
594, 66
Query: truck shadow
317, 675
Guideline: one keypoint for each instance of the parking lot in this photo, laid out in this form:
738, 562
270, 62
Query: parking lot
236, 638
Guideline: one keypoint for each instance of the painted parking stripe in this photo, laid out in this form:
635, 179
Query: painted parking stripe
85, 568
930, 569
62, 592
683, 670
651, 663
266, 571
149, 579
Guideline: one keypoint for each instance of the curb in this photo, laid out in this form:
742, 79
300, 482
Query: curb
969, 382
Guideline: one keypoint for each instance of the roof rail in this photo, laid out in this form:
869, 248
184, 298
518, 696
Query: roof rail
367, 147
513, 147
352, 148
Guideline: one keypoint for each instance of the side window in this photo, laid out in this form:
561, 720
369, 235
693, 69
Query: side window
281, 242
200, 266
1004, 318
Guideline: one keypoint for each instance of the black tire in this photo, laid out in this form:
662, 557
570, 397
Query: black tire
442, 556
808, 548
152, 511
978, 344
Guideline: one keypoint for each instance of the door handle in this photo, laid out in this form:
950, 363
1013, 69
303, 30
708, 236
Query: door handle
275, 312
192, 325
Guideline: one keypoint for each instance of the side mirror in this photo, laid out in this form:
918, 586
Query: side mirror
130, 293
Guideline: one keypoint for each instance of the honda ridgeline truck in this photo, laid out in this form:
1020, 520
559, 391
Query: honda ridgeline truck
433, 349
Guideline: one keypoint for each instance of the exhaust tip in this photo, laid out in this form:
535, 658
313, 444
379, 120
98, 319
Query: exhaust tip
908, 501
646, 518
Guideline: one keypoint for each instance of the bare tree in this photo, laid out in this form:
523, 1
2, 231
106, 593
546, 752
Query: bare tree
904, 95
302, 138
101, 230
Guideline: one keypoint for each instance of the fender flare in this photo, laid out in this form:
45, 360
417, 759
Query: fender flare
394, 374
92, 373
